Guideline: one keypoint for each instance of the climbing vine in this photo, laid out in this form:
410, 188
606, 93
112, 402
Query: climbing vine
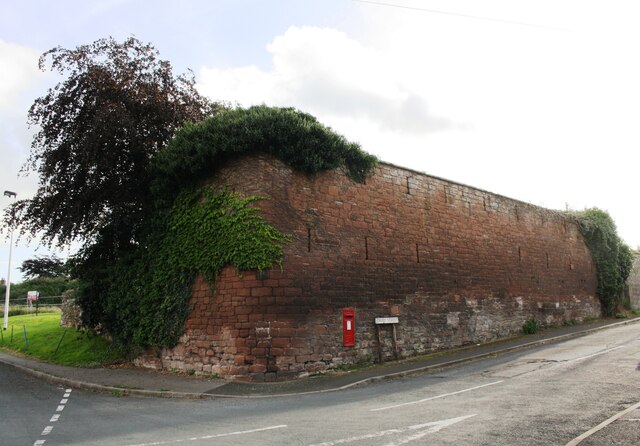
296, 138
204, 231
138, 290
613, 258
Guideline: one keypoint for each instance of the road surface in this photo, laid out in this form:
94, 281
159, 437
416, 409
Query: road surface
549, 395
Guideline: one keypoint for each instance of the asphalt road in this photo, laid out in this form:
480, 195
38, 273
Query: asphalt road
545, 396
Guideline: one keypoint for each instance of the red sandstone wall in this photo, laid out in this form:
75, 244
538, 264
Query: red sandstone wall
455, 264
633, 283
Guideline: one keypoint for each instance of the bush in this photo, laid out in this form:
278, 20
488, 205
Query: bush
294, 137
144, 302
18, 310
139, 292
47, 286
530, 326
613, 258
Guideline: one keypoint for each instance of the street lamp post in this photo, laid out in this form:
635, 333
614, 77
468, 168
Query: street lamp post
8, 193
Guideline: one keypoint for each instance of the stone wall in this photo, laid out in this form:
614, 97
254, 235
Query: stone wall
71, 312
456, 265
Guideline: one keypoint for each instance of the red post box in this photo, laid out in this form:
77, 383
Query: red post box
348, 327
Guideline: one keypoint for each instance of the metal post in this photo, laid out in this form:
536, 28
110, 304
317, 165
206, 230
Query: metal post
9, 194
8, 288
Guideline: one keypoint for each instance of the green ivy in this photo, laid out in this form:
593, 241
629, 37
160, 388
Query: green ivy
138, 289
296, 138
205, 230
613, 258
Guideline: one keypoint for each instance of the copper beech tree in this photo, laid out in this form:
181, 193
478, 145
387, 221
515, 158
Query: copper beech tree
97, 131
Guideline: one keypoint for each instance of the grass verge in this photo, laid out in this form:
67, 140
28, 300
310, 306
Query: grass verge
47, 340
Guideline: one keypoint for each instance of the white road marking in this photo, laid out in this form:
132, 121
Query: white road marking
426, 428
208, 437
47, 430
602, 425
436, 397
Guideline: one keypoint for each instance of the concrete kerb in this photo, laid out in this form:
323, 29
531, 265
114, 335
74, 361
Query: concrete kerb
121, 391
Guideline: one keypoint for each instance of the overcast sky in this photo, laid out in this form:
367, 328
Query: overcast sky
539, 101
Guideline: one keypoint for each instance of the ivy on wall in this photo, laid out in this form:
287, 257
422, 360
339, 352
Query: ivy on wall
612, 257
295, 138
204, 231
139, 294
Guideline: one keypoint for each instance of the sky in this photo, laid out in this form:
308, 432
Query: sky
538, 101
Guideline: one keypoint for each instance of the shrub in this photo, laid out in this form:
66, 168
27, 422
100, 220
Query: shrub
530, 326
139, 290
612, 257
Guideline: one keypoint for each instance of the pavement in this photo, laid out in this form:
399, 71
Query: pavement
143, 382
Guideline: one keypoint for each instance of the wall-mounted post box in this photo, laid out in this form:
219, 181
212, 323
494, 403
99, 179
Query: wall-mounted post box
348, 327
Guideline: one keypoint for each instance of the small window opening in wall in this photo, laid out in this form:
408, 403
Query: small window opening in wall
484, 203
408, 188
547, 260
446, 194
308, 239
366, 248
517, 213
417, 253
519, 254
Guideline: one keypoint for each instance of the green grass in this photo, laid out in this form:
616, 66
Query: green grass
45, 336
17, 310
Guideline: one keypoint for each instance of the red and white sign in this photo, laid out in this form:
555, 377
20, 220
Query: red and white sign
33, 296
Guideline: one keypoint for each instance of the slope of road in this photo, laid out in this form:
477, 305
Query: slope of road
135, 381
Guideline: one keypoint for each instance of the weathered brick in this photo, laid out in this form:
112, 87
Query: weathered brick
455, 264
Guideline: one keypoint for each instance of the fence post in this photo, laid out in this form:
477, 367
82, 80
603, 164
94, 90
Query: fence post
60, 341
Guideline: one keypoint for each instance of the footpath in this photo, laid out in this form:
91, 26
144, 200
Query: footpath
150, 383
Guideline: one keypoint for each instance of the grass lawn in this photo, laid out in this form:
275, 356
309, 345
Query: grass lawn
49, 341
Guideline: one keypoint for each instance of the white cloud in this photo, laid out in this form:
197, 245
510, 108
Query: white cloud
18, 73
325, 72
20, 83
546, 115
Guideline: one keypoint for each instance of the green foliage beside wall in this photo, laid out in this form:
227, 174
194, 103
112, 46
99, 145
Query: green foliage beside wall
47, 286
296, 138
205, 230
613, 258
137, 289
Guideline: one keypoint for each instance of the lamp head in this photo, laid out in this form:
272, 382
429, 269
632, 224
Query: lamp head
8, 193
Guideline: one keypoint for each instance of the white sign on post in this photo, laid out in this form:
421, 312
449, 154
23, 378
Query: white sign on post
32, 295
386, 320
